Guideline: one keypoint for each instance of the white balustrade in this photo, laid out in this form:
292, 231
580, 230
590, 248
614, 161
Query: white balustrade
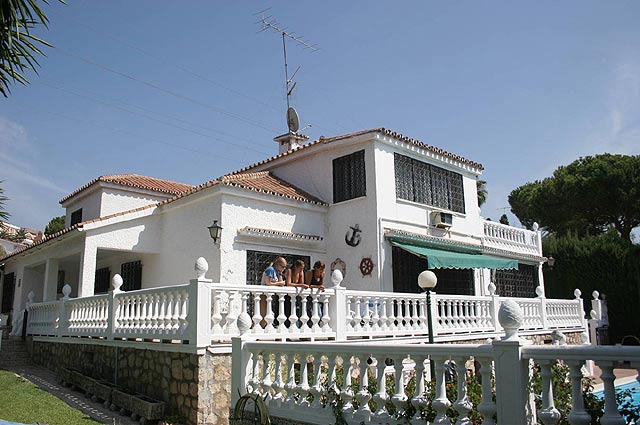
564, 313
505, 237
462, 314
87, 316
43, 318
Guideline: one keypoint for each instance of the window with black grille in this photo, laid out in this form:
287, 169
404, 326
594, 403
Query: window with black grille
517, 283
258, 261
131, 274
407, 267
102, 281
8, 289
76, 217
349, 177
427, 184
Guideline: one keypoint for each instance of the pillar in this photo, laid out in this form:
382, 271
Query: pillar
50, 290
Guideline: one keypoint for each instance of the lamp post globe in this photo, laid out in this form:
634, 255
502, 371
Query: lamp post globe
427, 280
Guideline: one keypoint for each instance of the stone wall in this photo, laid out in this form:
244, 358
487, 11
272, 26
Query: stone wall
196, 387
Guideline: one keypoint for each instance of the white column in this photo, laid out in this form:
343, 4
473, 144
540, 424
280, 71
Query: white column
86, 280
541, 281
50, 290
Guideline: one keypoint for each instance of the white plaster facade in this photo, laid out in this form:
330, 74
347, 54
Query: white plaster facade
135, 224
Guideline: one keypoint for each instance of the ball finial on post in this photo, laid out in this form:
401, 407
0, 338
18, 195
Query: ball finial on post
116, 283
201, 267
511, 319
336, 278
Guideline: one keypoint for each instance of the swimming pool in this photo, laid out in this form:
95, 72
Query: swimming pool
633, 387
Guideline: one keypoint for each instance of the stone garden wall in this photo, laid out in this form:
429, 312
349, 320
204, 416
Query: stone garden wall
196, 387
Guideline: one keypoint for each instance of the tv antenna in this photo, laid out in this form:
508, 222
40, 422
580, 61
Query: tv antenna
268, 23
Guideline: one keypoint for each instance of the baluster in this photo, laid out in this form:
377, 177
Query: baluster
256, 371
390, 314
266, 378
269, 318
366, 316
416, 315
293, 316
375, 316
447, 315
418, 400
144, 316
332, 369
399, 398
291, 386
462, 405
136, 313
358, 316
175, 314
381, 396
278, 384
363, 396
162, 313
315, 312
216, 317
407, 315
184, 311
257, 314
304, 316
611, 415
346, 394
549, 415
303, 389
326, 318
317, 389
441, 403
125, 312
282, 327
382, 317
577, 416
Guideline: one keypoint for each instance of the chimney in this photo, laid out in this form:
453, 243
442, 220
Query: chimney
290, 141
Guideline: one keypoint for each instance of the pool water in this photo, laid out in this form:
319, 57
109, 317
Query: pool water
633, 387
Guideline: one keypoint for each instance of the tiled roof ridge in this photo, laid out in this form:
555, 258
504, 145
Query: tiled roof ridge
121, 180
300, 195
383, 130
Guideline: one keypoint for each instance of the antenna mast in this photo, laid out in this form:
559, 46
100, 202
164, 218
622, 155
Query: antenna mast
268, 23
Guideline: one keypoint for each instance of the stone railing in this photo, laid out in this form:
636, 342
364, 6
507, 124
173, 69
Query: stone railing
202, 313
315, 382
507, 238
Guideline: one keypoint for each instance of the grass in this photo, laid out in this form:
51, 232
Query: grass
23, 402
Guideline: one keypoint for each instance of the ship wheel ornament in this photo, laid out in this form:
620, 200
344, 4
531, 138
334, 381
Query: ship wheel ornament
366, 266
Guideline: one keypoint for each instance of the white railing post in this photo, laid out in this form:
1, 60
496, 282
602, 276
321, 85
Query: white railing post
543, 307
494, 306
338, 308
199, 304
511, 371
241, 369
112, 306
63, 318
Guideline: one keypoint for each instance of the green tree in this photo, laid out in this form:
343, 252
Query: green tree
18, 46
586, 197
481, 188
504, 219
3, 199
55, 225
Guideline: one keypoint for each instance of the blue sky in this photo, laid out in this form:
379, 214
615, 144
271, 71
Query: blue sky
189, 91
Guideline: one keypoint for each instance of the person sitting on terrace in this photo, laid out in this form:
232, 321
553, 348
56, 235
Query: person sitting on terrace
315, 277
272, 276
295, 275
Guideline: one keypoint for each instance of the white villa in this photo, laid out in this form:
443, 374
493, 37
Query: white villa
380, 206
111, 296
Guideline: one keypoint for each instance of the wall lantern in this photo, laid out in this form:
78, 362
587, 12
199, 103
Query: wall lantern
215, 230
551, 262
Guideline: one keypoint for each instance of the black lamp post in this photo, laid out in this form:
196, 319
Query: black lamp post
427, 280
215, 231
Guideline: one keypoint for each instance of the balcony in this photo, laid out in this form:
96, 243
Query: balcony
501, 237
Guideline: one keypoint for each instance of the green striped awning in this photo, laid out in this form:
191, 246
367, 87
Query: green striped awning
442, 259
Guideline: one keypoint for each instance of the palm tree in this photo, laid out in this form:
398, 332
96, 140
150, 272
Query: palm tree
18, 47
3, 214
481, 188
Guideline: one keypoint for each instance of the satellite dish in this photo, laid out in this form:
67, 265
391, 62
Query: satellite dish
293, 121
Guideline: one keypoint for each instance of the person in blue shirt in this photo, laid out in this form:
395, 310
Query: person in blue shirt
273, 275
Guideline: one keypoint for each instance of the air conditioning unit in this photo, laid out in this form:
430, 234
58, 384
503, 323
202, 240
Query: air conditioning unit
442, 220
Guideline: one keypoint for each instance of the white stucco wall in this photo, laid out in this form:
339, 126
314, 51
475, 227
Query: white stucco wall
89, 202
114, 200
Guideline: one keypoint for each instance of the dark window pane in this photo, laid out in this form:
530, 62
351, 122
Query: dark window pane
76, 217
349, 177
8, 289
404, 177
131, 274
102, 282
517, 283
439, 188
258, 261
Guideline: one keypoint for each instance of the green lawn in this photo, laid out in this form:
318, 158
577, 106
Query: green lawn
21, 401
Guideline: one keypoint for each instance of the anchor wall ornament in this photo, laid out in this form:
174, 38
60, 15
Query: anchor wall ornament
354, 239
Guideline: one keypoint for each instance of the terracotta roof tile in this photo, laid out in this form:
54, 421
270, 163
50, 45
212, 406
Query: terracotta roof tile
137, 181
396, 135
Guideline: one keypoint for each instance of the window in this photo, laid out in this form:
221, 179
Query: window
349, 177
131, 276
257, 261
407, 267
420, 182
8, 288
76, 217
517, 283
102, 281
